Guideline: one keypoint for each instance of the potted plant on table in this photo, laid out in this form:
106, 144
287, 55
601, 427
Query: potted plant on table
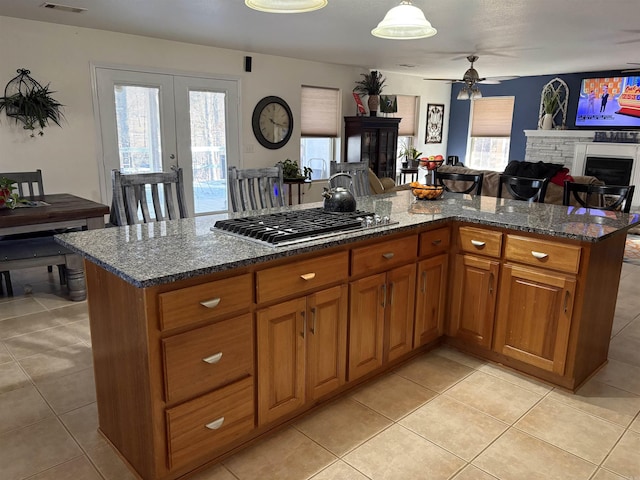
291, 170
8, 198
372, 85
410, 154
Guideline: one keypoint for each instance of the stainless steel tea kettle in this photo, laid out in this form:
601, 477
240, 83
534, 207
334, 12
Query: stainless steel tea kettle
338, 199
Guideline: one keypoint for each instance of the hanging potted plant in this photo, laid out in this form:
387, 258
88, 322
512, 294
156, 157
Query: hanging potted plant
26, 101
372, 85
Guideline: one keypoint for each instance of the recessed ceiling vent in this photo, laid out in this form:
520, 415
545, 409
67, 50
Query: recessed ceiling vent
63, 8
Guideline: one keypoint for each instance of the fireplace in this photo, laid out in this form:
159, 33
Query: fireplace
612, 171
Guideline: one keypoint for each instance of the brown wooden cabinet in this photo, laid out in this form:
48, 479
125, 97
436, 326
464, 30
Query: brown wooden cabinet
302, 351
373, 140
474, 299
535, 309
431, 285
431, 291
381, 308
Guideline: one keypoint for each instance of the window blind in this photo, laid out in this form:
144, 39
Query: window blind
407, 112
319, 112
492, 117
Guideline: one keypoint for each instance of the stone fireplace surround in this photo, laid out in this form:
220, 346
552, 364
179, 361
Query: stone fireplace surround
571, 147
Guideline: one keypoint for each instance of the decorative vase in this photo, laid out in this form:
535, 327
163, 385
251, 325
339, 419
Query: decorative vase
547, 121
373, 103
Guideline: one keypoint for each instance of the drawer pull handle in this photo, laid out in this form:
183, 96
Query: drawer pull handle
539, 255
216, 424
213, 358
213, 303
388, 255
478, 243
308, 276
436, 242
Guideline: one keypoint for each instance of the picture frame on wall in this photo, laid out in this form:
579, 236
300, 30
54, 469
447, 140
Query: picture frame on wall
435, 119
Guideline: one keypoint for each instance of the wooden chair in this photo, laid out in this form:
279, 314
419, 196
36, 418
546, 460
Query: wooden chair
255, 188
472, 182
28, 183
524, 188
359, 171
130, 193
603, 197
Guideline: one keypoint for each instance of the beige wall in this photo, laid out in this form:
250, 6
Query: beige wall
62, 56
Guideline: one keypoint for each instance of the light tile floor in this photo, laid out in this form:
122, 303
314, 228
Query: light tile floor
444, 415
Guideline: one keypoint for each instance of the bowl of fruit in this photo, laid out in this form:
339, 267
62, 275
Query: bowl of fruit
426, 192
432, 162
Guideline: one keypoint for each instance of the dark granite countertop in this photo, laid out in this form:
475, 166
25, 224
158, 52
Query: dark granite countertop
162, 252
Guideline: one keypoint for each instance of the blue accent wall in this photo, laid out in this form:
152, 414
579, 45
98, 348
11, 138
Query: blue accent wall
527, 91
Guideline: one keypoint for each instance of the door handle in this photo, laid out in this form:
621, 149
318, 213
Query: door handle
304, 324
213, 358
216, 424
313, 320
213, 303
491, 278
384, 295
424, 281
391, 294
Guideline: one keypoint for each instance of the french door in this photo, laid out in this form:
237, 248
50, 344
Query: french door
151, 122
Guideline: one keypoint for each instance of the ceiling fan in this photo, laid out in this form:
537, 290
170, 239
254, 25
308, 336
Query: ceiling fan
470, 79
632, 70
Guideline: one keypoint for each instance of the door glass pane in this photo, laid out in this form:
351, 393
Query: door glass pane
138, 125
208, 150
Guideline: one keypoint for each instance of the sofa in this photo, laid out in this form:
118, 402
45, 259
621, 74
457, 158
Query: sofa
492, 179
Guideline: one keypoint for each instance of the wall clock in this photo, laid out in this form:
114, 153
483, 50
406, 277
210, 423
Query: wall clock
272, 122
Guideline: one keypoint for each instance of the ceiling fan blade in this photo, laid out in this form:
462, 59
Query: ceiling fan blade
448, 80
631, 70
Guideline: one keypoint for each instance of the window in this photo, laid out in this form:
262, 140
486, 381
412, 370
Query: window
407, 127
490, 133
320, 127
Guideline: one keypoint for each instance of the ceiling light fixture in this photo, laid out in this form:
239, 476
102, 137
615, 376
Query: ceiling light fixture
286, 6
404, 22
469, 92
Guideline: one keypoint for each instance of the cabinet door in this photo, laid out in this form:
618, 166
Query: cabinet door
387, 146
399, 304
534, 316
366, 324
369, 147
431, 291
326, 341
474, 299
281, 338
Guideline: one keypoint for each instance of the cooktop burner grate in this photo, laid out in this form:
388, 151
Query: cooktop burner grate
285, 228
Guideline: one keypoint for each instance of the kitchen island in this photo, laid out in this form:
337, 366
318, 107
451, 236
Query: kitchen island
204, 342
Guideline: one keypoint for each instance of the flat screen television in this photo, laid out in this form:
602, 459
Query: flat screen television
609, 103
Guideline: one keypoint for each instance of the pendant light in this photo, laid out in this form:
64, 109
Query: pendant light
286, 6
404, 22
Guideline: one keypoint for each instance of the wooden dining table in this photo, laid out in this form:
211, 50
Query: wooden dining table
54, 212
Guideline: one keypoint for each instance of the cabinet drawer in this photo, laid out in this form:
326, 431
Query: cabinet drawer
480, 241
301, 276
204, 302
207, 358
541, 253
383, 255
208, 423
435, 241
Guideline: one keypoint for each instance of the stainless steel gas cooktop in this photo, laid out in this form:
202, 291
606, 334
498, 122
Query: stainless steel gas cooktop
296, 226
